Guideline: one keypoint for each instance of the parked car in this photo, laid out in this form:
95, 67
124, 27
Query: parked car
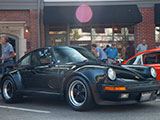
78, 76
147, 58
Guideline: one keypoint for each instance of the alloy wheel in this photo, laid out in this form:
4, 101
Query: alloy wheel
77, 93
7, 89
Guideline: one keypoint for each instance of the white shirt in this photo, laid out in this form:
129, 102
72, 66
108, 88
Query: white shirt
142, 47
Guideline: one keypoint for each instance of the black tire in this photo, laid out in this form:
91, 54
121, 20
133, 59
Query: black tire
80, 99
8, 90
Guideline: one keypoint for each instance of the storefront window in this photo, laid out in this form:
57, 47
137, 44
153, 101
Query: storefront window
157, 37
124, 39
102, 36
80, 37
58, 35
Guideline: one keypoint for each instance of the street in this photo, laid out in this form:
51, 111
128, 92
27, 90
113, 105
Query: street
48, 108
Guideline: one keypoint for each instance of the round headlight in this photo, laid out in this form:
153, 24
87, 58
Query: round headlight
111, 74
153, 72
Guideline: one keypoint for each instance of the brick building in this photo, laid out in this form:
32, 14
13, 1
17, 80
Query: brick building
30, 24
20, 20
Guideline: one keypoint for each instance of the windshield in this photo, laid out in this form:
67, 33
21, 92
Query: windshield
67, 55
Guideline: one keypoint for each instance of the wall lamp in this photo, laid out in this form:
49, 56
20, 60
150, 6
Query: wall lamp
26, 29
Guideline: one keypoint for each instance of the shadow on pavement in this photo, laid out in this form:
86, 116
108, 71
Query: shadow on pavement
56, 102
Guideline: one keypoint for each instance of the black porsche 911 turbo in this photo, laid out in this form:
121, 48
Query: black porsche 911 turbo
78, 76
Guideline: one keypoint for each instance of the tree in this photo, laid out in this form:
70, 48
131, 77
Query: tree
75, 35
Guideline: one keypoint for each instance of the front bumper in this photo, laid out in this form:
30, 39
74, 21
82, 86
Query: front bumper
133, 93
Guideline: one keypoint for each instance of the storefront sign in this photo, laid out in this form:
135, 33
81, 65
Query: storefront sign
84, 13
75, 15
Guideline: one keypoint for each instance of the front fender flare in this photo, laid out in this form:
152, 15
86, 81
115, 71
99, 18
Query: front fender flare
65, 81
91, 84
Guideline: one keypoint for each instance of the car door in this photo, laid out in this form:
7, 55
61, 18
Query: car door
24, 68
45, 72
38, 71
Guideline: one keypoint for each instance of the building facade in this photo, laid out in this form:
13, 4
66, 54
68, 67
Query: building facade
31, 24
20, 20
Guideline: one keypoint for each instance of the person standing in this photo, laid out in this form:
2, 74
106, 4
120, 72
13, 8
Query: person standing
98, 52
142, 46
107, 46
7, 53
112, 54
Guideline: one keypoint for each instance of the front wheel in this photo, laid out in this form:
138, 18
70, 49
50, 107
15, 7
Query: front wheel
78, 94
8, 90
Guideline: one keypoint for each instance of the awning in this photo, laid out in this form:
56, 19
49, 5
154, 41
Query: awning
157, 14
113, 14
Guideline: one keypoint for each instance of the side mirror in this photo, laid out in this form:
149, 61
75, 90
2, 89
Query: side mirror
52, 64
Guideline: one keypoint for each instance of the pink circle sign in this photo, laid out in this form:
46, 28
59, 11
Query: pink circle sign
84, 13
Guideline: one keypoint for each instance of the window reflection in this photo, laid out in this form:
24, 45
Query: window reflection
80, 37
157, 37
102, 35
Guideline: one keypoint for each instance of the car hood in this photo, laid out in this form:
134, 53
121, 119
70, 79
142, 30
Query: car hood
128, 73
139, 73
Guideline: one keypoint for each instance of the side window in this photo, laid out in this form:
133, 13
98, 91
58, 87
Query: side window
150, 59
41, 57
158, 59
130, 62
25, 61
61, 56
35, 59
138, 60
135, 60
45, 57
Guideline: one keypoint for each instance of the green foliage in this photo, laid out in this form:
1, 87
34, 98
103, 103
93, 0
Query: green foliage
75, 35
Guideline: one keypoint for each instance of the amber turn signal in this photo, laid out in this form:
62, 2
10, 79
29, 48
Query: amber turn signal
115, 88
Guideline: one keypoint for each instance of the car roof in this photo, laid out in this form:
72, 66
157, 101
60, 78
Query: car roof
148, 51
56, 47
59, 46
68, 46
143, 52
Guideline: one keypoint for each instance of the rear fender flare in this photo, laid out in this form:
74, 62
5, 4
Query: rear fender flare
16, 78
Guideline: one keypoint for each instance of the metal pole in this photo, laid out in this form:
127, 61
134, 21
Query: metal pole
39, 23
112, 33
47, 37
135, 39
68, 35
91, 39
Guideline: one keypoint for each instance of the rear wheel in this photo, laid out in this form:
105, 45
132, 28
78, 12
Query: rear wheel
8, 90
79, 95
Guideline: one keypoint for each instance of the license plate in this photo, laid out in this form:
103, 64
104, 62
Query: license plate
145, 96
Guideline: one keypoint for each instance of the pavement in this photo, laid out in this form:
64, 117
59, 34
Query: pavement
53, 108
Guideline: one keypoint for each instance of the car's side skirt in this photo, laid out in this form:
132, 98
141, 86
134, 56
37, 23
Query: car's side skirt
31, 92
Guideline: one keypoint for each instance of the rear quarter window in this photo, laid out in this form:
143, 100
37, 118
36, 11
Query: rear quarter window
152, 58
